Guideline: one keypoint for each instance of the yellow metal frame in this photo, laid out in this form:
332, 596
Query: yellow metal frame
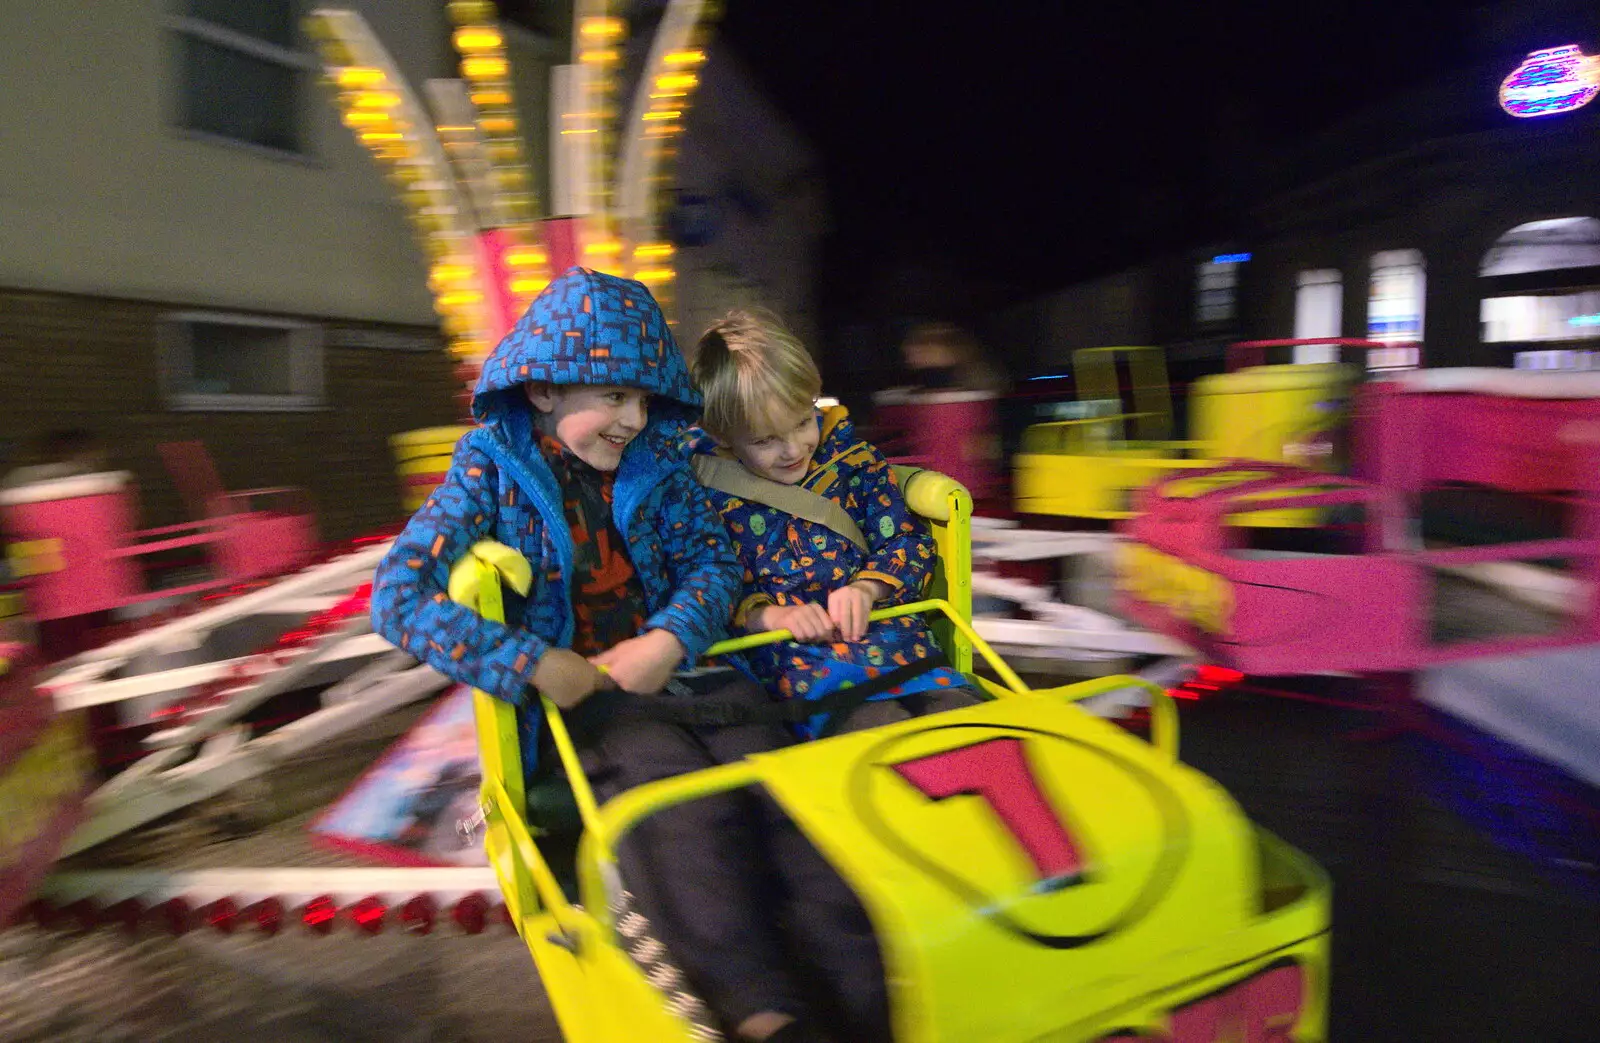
1240, 902
427, 451
947, 507
1078, 468
1094, 370
1088, 468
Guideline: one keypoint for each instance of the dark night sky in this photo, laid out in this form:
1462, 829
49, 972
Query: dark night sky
1011, 142
990, 150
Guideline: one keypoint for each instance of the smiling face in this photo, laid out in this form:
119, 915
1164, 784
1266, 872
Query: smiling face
783, 453
595, 422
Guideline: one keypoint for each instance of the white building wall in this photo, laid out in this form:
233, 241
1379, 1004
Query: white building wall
102, 194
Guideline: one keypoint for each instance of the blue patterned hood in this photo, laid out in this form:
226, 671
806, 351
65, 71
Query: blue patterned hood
586, 328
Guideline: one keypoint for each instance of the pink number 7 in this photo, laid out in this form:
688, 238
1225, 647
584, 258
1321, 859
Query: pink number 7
997, 770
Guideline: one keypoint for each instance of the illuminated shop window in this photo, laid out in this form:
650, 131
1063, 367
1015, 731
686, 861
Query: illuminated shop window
1217, 287
1318, 311
1562, 359
217, 361
1571, 316
1395, 305
1395, 298
239, 73
1561, 312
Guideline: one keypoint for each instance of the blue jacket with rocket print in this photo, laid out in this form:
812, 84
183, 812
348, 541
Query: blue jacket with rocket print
789, 560
585, 328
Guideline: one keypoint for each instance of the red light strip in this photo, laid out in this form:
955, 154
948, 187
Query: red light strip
472, 914
320, 901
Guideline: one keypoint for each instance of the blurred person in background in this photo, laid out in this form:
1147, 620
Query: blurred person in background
942, 356
947, 418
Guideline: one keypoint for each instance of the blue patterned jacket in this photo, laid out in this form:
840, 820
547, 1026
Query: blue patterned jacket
585, 328
787, 560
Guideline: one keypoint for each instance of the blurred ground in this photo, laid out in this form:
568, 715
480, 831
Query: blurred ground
1438, 933
297, 987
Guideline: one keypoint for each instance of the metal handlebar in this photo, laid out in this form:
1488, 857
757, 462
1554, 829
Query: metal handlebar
772, 637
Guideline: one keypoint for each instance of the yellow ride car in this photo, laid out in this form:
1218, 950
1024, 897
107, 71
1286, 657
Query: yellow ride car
1091, 466
1033, 872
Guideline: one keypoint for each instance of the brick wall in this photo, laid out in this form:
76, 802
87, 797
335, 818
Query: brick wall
73, 361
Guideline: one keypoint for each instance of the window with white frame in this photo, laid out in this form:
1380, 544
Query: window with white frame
212, 360
240, 74
1318, 312
1216, 288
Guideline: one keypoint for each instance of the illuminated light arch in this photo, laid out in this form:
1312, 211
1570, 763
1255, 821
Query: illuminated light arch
459, 171
598, 37
463, 176
1550, 82
661, 100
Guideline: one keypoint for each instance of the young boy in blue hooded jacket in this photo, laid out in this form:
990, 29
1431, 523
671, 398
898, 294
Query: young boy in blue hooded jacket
578, 465
760, 387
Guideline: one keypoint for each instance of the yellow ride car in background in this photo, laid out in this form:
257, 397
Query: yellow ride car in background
1090, 466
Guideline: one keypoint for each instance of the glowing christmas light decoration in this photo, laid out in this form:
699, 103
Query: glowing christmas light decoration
179, 901
377, 100
476, 38
661, 101
402, 138
602, 27
1550, 82
604, 249
367, 915
356, 77
319, 914
222, 915
267, 915
417, 915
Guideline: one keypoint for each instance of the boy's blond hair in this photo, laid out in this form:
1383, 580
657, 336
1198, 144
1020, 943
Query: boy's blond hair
752, 371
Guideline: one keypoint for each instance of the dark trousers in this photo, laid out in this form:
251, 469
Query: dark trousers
917, 704
720, 876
